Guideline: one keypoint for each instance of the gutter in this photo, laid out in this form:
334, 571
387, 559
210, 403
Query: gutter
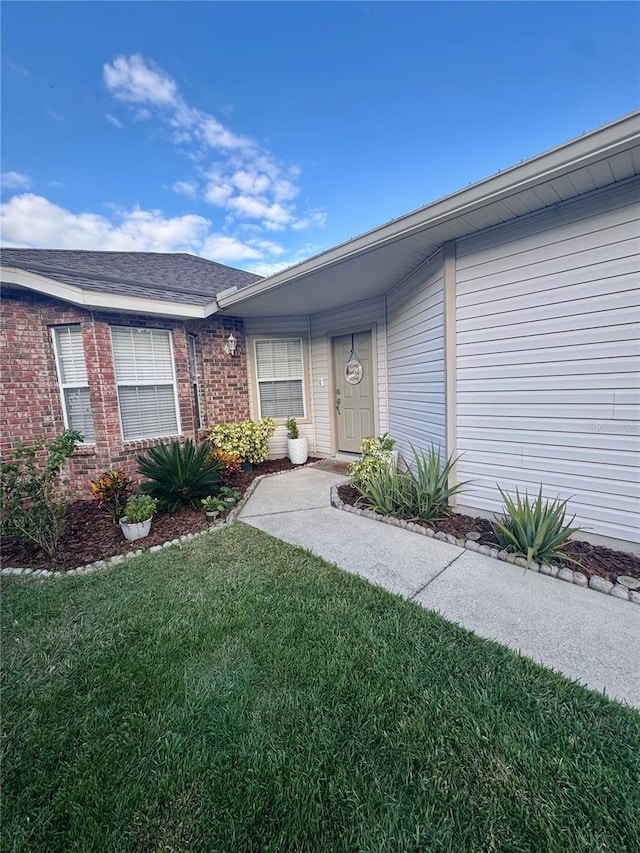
602, 142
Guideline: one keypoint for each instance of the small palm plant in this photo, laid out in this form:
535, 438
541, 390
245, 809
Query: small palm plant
534, 530
179, 475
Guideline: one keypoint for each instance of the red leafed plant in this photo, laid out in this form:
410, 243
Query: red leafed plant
230, 462
111, 490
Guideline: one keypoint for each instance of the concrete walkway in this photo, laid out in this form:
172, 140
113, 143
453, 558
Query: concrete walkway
585, 635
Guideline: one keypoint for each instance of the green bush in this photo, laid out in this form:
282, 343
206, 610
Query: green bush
535, 531
376, 457
31, 510
247, 438
139, 508
420, 492
179, 474
292, 428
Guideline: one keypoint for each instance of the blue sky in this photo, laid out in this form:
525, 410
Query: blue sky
258, 134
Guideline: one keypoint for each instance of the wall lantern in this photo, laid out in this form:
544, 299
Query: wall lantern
230, 345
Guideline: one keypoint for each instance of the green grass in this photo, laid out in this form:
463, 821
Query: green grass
237, 694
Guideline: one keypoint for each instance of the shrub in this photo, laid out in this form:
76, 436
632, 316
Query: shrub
179, 474
250, 440
229, 463
110, 490
292, 428
139, 508
420, 492
29, 486
535, 531
376, 457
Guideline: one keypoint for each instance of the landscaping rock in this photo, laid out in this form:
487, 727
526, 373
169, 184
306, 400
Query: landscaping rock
492, 553
619, 592
451, 539
511, 558
580, 580
155, 548
566, 575
484, 549
470, 545
634, 596
600, 584
520, 561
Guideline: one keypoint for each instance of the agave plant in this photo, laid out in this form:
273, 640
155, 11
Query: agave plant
179, 475
535, 531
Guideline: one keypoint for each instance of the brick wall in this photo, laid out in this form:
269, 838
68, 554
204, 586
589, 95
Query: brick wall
30, 405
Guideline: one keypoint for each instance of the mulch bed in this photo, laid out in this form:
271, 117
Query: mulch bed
593, 559
90, 536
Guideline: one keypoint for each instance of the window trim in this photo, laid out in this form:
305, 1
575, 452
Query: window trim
147, 383
194, 377
63, 386
255, 385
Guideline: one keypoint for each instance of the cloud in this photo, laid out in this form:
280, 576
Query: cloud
245, 179
30, 220
51, 113
15, 181
113, 120
188, 188
130, 79
19, 69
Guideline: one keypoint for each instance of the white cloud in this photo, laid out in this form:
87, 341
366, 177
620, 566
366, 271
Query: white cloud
130, 79
30, 220
266, 269
113, 120
245, 179
15, 181
188, 188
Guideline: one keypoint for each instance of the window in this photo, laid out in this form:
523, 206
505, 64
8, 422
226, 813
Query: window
143, 360
279, 372
195, 379
74, 383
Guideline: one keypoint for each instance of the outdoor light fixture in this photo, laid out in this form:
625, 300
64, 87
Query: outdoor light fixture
230, 345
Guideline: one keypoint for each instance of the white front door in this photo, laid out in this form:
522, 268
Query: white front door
353, 402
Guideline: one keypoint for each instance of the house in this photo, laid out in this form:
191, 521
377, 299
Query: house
126, 347
500, 323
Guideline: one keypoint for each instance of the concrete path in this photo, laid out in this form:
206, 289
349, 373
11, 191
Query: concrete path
585, 635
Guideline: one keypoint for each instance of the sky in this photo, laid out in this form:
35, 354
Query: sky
259, 134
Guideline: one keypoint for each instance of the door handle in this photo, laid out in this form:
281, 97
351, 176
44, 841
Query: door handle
338, 405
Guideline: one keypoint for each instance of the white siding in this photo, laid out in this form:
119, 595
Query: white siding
343, 320
548, 360
416, 359
278, 326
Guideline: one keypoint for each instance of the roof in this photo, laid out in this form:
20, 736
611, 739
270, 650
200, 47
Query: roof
375, 262
178, 278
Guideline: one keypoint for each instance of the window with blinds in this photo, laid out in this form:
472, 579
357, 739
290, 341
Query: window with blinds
143, 361
73, 380
279, 374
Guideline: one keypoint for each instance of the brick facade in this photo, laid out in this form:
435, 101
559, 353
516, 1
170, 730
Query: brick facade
30, 404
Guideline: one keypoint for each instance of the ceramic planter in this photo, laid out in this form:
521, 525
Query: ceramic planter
211, 514
135, 531
298, 450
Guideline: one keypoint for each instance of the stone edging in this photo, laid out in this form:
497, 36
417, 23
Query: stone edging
596, 583
128, 555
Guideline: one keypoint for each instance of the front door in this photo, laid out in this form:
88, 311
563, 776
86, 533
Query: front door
353, 401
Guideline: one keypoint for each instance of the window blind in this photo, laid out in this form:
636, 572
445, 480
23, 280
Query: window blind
74, 381
279, 371
146, 383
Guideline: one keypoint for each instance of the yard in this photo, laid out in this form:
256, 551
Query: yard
238, 694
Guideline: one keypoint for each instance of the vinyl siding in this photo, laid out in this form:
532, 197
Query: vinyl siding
548, 360
416, 359
361, 315
279, 327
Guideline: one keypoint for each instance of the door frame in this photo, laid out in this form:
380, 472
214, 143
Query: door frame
356, 329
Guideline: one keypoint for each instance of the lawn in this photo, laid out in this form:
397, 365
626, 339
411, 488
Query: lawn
238, 694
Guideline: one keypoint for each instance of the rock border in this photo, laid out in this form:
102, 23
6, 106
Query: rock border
117, 559
595, 583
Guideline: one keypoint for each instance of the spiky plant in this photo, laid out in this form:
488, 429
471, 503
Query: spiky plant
179, 475
534, 530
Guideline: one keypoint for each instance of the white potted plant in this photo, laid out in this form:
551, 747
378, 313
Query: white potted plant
297, 447
138, 512
213, 506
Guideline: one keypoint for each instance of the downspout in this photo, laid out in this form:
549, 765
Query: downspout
450, 360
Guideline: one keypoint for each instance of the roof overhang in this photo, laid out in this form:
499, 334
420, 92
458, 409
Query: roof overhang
100, 300
375, 262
